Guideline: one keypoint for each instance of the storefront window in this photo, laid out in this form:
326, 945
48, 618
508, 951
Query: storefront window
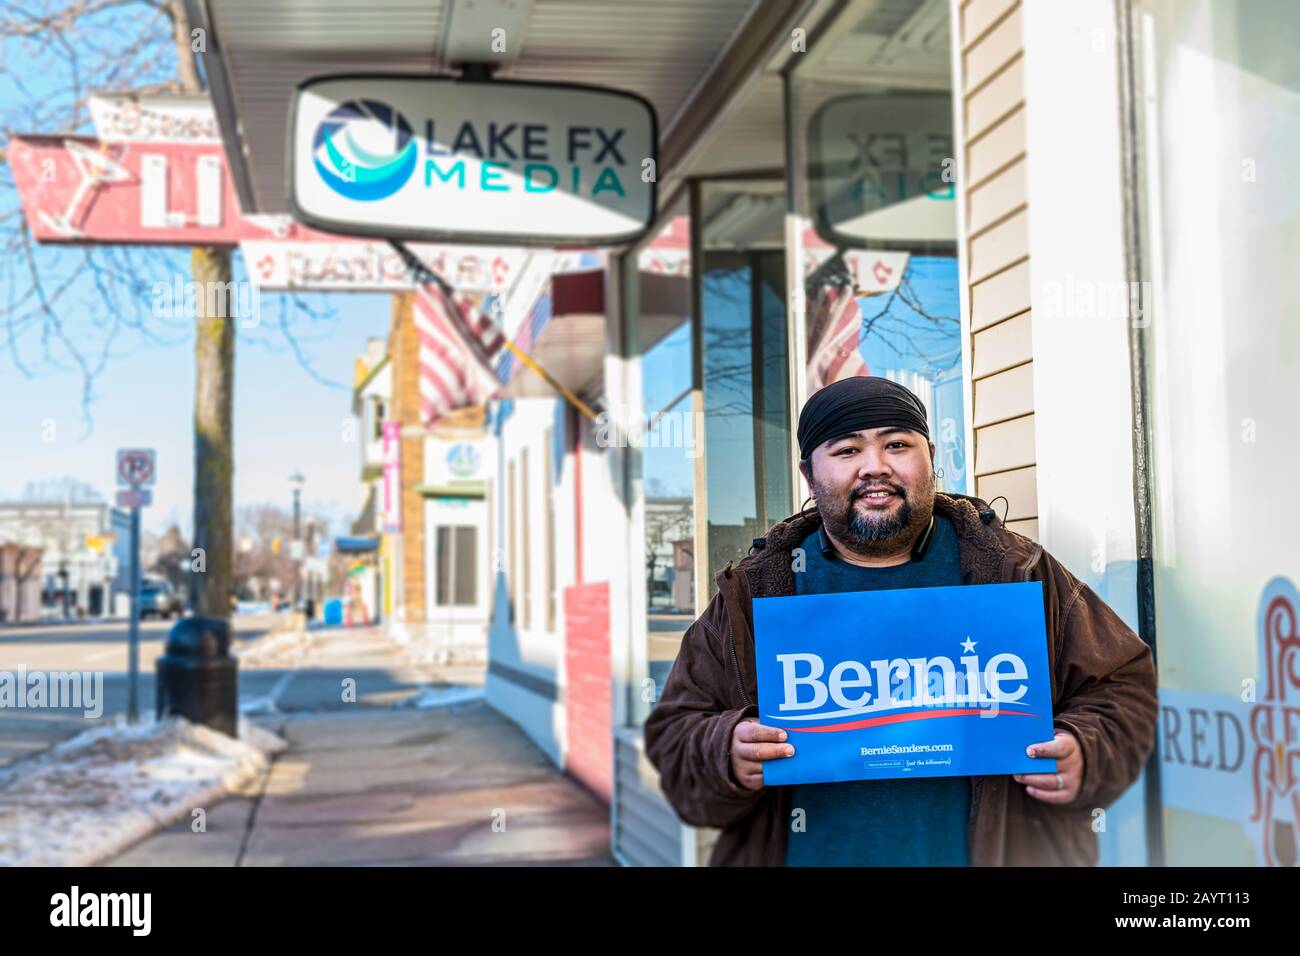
875, 191
746, 383
657, 305
1219, 129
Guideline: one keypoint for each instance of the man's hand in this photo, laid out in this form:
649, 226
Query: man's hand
751, 744
1062, 786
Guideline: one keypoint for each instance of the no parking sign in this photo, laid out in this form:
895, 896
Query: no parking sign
136, 467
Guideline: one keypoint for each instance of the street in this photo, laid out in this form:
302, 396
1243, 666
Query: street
82, 647
380, 676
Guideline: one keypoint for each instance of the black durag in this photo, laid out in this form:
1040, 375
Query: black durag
858, 403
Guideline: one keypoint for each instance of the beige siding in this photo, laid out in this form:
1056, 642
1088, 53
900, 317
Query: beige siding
1019, 487
1004, 446
978, 15
998, 146
999, 296
1001, 346
992, 51
992, 95
996, 99
995, 249
1005, 395
997, 199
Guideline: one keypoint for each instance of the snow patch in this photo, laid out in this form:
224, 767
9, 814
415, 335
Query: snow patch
90, 797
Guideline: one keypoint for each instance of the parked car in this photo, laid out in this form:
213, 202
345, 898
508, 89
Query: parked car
159, 599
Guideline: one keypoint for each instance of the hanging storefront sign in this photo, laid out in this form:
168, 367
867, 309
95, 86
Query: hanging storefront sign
391, 500
130, 118
881, 169
83, 190
374, 266
445, 159
448, 463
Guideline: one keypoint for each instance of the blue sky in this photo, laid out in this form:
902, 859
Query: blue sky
290, 409
285, 417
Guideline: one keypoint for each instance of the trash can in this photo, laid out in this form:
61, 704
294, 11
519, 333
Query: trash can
334, 612
196, 676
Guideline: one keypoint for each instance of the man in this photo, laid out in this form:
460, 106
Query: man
866, 454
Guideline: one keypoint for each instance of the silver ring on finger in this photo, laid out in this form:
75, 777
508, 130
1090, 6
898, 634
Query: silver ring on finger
1060, 784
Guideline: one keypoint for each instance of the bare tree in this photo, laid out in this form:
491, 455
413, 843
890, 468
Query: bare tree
55, 53
264, 532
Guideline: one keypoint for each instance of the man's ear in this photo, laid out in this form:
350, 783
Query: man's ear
805, 469
932, 456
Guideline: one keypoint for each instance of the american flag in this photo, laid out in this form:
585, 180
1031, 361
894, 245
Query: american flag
834, 337
529, 329
457, 344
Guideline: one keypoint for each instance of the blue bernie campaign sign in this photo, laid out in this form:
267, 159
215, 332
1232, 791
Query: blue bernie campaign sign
917, 682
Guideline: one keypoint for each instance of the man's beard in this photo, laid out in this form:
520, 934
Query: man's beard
877, 535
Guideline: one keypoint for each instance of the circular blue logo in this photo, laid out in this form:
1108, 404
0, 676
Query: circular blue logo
364, 150
463, 460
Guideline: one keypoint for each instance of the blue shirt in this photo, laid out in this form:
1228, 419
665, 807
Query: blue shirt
915, 822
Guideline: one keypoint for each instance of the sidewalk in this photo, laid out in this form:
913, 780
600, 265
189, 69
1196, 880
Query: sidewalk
458, 785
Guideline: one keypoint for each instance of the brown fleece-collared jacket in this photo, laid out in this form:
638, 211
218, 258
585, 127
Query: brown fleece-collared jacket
1103, 692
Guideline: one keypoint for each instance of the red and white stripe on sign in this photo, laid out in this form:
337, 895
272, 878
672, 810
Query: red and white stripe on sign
451, 374
834, 337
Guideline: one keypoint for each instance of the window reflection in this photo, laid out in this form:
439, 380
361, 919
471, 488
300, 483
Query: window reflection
746, 370
658, 298
872, 120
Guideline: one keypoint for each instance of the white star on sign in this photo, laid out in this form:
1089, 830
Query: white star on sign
968, 645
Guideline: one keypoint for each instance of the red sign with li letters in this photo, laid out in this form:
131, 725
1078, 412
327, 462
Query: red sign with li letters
85, 191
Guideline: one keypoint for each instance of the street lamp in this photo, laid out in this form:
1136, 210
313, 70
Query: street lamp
296, 482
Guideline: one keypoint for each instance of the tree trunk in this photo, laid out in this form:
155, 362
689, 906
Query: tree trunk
214, 387
214, 460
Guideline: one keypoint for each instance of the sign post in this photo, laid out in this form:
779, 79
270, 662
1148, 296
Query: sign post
135, 476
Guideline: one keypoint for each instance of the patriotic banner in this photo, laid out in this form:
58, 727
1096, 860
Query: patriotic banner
834, 337
457, 345
834, 326
918, 682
